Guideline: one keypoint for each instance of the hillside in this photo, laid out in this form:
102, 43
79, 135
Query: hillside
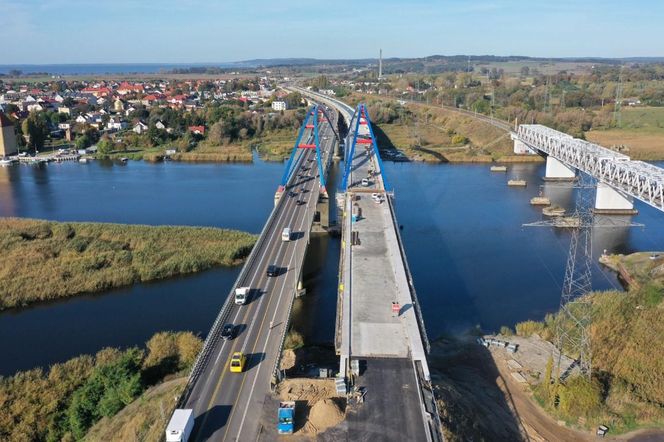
430, 133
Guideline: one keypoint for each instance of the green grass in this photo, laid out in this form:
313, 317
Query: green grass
643, 117
45, 260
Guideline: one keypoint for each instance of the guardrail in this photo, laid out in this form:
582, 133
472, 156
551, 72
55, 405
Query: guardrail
275, 370
213, 336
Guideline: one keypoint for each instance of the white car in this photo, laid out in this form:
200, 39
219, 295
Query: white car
365, 182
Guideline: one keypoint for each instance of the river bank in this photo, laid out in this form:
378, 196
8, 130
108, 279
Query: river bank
46, 260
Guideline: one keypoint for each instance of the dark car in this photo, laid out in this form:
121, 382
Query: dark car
299, 202
228, 332
272, 270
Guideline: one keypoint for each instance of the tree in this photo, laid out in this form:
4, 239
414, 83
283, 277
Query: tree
82, 141
104, 147
35, 129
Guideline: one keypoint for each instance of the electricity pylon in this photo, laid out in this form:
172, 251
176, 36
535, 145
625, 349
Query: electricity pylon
572, 326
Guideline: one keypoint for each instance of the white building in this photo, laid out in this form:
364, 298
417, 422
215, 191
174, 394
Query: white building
140, 127
279, 105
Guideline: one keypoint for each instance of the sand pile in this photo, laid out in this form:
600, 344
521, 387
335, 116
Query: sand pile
287, 360
324, 414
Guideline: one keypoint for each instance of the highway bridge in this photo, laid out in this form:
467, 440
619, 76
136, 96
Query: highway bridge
382, 348
228, 406
380, 333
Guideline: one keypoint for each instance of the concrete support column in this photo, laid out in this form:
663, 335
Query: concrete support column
520, 147
610, 201
556, 170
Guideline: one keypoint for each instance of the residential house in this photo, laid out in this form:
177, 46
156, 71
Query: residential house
279, 105
140, 127
115, 123
82, 119
160, 125
198, 130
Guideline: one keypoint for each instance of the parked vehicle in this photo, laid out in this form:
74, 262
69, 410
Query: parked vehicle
286, 234
228, 332
238, 361
365, 182
180, 426
241, 295
286, 417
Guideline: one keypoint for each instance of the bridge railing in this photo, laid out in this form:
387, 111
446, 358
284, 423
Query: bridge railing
636, 178
214, 334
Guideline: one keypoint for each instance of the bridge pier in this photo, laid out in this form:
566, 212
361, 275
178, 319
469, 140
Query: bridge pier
520, 147
610, 201
556, 170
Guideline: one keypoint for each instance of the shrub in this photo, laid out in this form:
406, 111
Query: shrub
528, 328
294, 340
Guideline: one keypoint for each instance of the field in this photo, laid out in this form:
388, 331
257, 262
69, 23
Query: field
642, 133
514, 67
231, 153
45, 260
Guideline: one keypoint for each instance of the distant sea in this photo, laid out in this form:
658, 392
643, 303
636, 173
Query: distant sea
99, 69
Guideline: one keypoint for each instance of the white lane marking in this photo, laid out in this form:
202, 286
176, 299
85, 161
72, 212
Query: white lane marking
237, 313
265, 295
269, 332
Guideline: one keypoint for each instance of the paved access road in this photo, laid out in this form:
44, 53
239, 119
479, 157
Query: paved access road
228, 405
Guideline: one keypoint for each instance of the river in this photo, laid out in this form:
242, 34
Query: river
472, 260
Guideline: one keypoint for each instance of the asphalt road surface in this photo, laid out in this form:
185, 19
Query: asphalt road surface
227, 406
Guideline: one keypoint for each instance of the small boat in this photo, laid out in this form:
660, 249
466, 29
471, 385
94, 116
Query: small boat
124, 159
82, 160
517, 183
6, 162
498, 168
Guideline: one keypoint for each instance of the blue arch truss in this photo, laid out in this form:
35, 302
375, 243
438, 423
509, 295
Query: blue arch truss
361, 118
308, 138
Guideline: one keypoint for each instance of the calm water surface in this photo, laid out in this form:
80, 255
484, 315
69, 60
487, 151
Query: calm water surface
472, 261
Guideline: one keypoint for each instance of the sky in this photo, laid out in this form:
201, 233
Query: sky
208, 31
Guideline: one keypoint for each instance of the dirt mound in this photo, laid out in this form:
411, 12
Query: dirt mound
288, 360
304, 389
324, 414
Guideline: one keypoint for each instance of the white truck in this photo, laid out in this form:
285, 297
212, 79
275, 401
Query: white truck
241, 295
180, 426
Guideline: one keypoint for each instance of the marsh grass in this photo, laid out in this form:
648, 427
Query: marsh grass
44, 260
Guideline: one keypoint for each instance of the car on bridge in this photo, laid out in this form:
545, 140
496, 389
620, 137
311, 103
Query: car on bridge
228, 332
272, 270
238, 361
